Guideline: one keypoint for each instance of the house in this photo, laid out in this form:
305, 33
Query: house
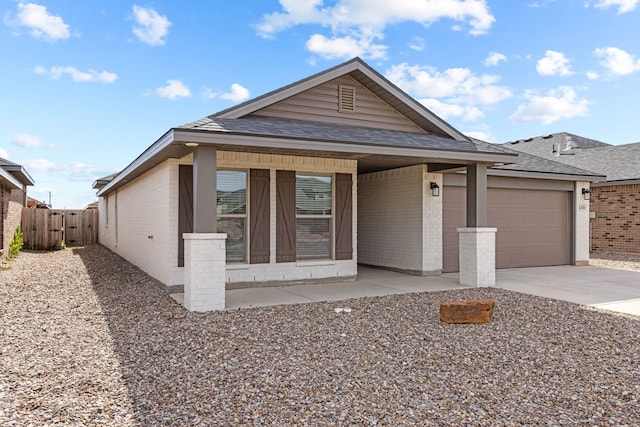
615, 202
14, 180
338, 169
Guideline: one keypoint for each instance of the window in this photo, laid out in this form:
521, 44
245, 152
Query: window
313, 216
231, 195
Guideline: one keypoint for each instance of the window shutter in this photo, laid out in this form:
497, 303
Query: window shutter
285, 216
185, 207
343, 214
259, 216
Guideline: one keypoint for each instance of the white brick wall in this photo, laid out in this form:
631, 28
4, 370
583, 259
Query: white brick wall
204, 287
148, 206
477, 256
399, 221
581, 221
138, 225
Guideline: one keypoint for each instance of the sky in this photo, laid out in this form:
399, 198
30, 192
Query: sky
87, 86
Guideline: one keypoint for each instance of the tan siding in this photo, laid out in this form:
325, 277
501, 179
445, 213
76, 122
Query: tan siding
321, 104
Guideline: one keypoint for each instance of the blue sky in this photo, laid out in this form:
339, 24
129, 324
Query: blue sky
87, 86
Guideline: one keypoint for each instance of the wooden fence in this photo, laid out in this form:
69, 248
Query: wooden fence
46, 229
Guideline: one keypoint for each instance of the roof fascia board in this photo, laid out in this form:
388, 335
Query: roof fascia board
352, 148
20, 172
544, 175
154, 149
12, 182
621, 182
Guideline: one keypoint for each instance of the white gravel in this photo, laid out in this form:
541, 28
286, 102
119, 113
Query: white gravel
87, 339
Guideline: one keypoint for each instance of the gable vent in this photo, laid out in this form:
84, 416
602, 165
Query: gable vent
346, 99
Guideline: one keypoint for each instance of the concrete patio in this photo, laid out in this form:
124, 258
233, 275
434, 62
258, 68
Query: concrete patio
609, 289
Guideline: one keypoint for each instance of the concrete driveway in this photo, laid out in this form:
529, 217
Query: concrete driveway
609, 289
615, 290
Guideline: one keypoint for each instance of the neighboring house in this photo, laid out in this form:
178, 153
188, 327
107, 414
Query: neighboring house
615, 203
339, 169
14, 180
92, 205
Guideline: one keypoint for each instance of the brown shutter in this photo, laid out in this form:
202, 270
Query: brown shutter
344, 222
285, 216
185, 207
259, 216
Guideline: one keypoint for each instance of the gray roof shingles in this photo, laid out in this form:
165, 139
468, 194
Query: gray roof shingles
299, 129
616, 162
531, 163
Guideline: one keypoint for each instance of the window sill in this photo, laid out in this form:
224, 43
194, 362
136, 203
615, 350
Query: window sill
236, 266
315, 263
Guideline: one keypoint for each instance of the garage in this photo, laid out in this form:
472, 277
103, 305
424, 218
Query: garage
534, 225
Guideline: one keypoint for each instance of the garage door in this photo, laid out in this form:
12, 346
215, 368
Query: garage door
533, 226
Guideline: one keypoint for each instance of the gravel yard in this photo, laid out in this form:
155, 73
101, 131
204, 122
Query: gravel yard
87, 339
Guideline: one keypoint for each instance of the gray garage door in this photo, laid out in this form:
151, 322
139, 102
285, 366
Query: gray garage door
533, 226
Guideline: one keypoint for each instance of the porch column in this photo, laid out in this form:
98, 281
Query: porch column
204, 190
477, 242
204, 249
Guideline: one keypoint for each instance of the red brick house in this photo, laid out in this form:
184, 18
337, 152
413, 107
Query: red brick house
14, 180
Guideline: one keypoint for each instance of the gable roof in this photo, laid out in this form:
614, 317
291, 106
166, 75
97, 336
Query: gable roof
13, 175
369, 78
237, 129
616, 162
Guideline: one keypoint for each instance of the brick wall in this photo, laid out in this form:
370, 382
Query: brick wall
616, 227
399, 222
148, 206
11, 204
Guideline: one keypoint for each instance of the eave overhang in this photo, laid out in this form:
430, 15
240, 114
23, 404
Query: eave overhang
173, 145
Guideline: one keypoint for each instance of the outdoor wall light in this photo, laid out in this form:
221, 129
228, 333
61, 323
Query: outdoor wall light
435, 189
191, 144
586, 194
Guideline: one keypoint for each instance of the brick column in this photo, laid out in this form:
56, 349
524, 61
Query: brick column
204, 274
477, 256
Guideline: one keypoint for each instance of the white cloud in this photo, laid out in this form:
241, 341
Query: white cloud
30, 141
494, 59
558, 104
459, 85
76, 172
238, 93
3, 153
445, 111
357, 26
40, 165
151, 28
174, 89
617, 61
41, 23
554, 63
481, 135
418, 44
345, 47
89, 76
623, 6
592, 75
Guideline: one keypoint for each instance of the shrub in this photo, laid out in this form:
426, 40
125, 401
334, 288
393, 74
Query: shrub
16, 244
